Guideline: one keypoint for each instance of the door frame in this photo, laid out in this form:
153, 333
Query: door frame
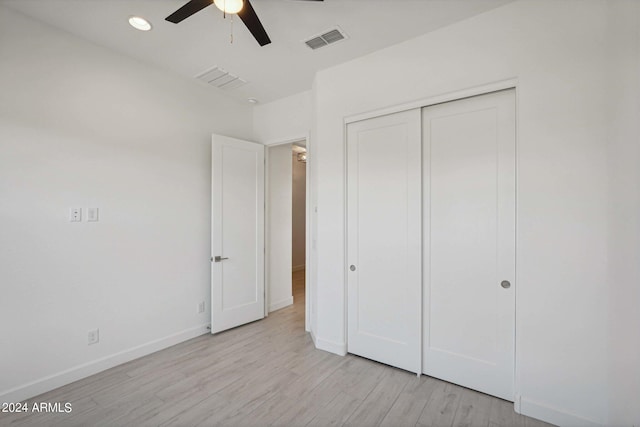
307, 238
484, 89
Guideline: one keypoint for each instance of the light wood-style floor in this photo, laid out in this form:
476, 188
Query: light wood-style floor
266, 373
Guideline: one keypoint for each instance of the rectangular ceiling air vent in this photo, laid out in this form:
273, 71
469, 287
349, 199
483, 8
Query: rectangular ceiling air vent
326, 38
221, 79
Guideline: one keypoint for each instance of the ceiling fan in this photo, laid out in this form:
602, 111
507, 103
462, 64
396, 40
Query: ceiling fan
242, 7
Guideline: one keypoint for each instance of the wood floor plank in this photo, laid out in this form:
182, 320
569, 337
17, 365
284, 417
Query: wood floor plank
336, 412
473, 410
306, 361
358, 377
441, 408
503, 414
309, 380
266, 373
133, 389
117, 413
206, 383
170, 410
75, 392
266, 413
410, 403
311, 401
194, 414
377, 403
246, 396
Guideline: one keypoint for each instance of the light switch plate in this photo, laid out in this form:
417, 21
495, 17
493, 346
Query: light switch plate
92, 214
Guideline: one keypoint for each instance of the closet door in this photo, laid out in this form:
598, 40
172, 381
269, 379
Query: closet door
469, 242
384, 239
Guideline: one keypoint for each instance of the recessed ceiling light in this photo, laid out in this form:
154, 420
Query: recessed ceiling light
139, 23
252, 100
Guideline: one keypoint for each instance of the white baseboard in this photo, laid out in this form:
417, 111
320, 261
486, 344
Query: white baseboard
517, 403
331, 346
281, 304
43, 385
298, 268
553, 415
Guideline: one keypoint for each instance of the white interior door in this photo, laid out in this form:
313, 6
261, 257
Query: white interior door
384, 239
237, 241
469, 235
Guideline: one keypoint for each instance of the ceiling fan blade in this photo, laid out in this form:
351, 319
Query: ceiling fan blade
187, 10
250, 19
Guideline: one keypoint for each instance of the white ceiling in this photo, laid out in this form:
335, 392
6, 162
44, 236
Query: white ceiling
284, 67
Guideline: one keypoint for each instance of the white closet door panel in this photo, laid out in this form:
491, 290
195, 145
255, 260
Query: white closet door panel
469, 318
384, 239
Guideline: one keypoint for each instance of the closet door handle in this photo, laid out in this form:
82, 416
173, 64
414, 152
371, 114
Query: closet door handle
505, 284
218, 258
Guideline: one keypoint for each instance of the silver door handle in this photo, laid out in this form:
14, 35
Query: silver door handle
218, 258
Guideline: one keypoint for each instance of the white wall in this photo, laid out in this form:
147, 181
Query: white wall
279, 226
81, 126
557, 51
285, 120
299, 172
624, 212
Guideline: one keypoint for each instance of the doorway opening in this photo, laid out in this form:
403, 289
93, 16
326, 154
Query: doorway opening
298, 220
286, 230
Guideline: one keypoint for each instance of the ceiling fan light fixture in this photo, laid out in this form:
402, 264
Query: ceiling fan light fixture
229, 6
139, 23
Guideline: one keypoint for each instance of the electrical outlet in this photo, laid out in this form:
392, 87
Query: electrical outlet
75, 214
201, 307
93, 336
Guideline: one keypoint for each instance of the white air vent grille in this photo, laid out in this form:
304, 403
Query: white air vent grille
221, 79
328, 37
